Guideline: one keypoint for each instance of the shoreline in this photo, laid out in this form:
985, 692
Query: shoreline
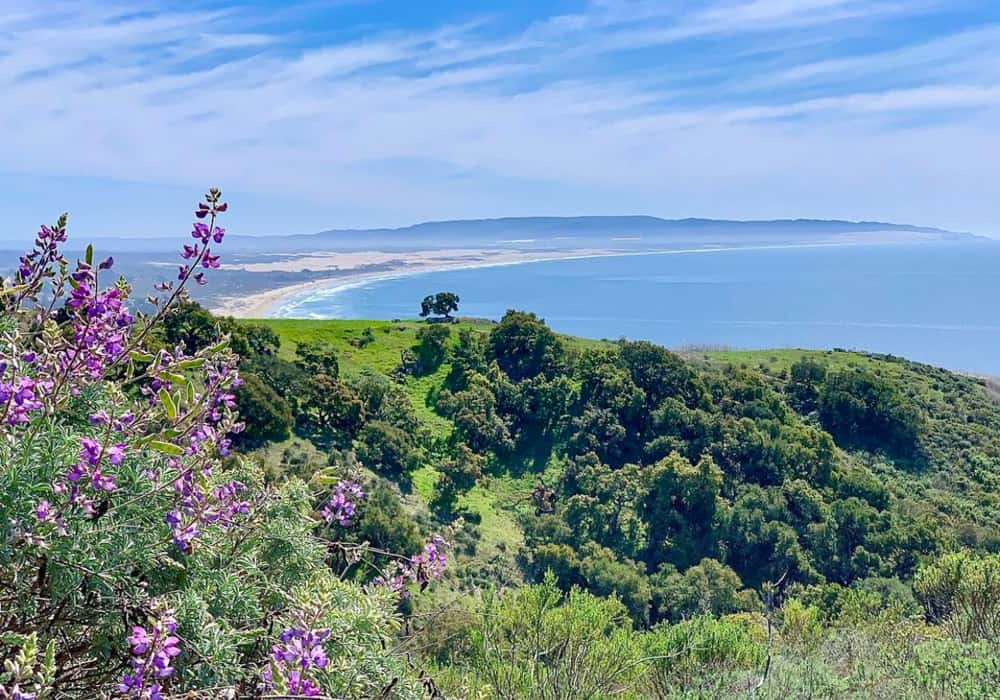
264, 304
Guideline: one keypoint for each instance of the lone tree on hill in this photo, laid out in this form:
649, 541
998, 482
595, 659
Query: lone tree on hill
440, 304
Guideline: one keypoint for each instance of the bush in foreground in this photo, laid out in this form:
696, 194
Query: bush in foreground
138, 558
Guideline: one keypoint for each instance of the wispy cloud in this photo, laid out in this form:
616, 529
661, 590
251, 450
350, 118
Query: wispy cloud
670, 108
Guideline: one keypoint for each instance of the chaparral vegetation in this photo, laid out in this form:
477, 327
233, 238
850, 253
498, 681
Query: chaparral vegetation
199, 507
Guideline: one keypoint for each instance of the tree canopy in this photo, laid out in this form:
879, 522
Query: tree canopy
440, 304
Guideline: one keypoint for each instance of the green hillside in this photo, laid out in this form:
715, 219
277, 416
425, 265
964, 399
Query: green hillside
954, 480
195, 506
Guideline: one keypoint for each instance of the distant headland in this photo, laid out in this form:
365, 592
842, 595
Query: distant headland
261, 272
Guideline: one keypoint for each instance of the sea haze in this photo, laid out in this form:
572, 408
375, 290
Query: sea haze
934, 302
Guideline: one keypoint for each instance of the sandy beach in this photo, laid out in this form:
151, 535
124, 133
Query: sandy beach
356, 266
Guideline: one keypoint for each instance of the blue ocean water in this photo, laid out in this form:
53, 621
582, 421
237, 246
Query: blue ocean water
931, 302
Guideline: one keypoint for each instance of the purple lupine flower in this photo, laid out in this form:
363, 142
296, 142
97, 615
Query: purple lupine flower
343, 503
90, 451
421, 568
116, 453
43, 510
139, 640
78, 296
19, 398
45, 514
124, 420
220, 506
298, 655
102, 482
76, 471
153, 651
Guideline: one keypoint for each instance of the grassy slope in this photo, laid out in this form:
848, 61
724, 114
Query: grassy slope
964, 419
493, 503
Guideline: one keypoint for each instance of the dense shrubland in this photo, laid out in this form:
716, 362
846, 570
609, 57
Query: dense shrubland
199, 507
683, 488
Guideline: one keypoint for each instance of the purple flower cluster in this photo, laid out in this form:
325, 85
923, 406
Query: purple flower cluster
45, 514
101, 325
21, 396
222, 399
343, 503
36, 264
201, 253
421, 568
198, 506
300, 652
153, 651
49, 359
216, 400
88, 477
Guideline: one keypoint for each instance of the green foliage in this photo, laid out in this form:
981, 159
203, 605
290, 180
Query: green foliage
681, 485
681, 509
385, 523
387, 449
459, 472
536, 643
31, 673
266, 415
862, 410
703, 657
806, 377
317, 358
962, 590
432, 349
950, 669
473, 411
329, 410
524, 347
440, 304
707, 587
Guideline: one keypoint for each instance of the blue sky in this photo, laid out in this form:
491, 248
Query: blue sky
315, 115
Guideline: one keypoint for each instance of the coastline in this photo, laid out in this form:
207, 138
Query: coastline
263, 304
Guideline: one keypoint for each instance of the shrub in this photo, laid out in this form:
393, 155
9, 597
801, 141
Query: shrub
536, 643
137, 557
703, 657
962, 589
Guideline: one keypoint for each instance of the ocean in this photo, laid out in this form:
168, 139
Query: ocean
931, 302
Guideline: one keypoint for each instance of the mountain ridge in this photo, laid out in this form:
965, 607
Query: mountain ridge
624, 232
634, 219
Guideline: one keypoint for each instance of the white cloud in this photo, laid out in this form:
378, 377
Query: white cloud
181, 97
